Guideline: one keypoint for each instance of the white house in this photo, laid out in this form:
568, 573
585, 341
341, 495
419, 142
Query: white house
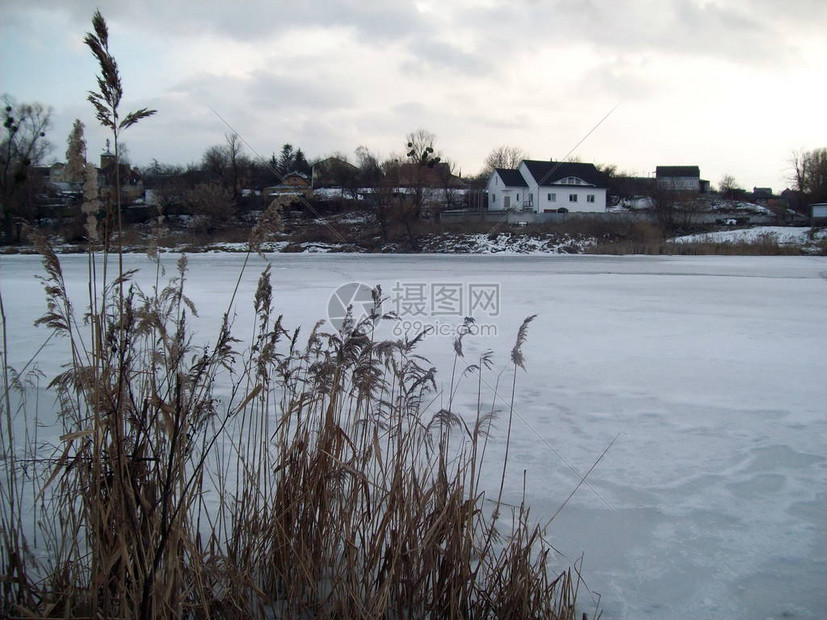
547, 187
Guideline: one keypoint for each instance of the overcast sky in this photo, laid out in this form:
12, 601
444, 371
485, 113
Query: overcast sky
733, 86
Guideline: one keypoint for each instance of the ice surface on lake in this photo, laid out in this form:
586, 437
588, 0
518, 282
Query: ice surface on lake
710, 372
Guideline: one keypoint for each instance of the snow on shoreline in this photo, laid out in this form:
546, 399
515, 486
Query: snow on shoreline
505, 243
479, 243
783, 235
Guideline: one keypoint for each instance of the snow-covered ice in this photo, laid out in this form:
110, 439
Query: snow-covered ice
708, 371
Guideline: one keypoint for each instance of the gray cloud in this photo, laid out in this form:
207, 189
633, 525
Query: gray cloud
753, 31
387, 68
243, 21
618, 78
431, 54
288, 91
680, 27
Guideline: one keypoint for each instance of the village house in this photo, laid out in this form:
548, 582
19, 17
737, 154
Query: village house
292, 184
57, 190
681, 179
131, 181
334, 172
547, 187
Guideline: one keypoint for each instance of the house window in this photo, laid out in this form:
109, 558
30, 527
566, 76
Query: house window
518, 198
572, 197
590, 198
552, 197
493, 198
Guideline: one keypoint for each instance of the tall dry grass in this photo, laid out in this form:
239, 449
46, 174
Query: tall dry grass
271, 477
317, 482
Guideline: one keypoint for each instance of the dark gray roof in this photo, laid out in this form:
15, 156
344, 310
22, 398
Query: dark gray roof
511, 178
678, 171
552, 172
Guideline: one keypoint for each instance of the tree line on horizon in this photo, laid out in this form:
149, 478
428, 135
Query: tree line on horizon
215, 185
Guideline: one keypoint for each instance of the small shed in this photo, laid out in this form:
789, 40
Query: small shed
818, 214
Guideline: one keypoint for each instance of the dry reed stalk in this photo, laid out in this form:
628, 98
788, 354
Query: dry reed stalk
335, 495
321, 486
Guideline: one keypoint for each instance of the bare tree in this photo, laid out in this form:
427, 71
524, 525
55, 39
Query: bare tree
169, 184
508, 157
422, 159
23, 145
420, 145
728, 186
690, 208
386, 199
449, 183
810, 176
211, 204
370, 172
664, 203
393, 207
236, 163
215, 162
676, 210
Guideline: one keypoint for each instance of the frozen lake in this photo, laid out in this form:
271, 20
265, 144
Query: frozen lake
710, 372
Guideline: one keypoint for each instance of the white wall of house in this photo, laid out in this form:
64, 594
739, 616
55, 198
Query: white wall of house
581, 199
501, 197
494, 189
680, 184
575, 196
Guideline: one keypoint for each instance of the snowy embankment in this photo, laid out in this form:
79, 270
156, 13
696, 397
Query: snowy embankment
783, 235
505, 243
707, 372
500, 243
509, 242
518, 243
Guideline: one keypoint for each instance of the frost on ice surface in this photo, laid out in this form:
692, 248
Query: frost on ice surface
710, 371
